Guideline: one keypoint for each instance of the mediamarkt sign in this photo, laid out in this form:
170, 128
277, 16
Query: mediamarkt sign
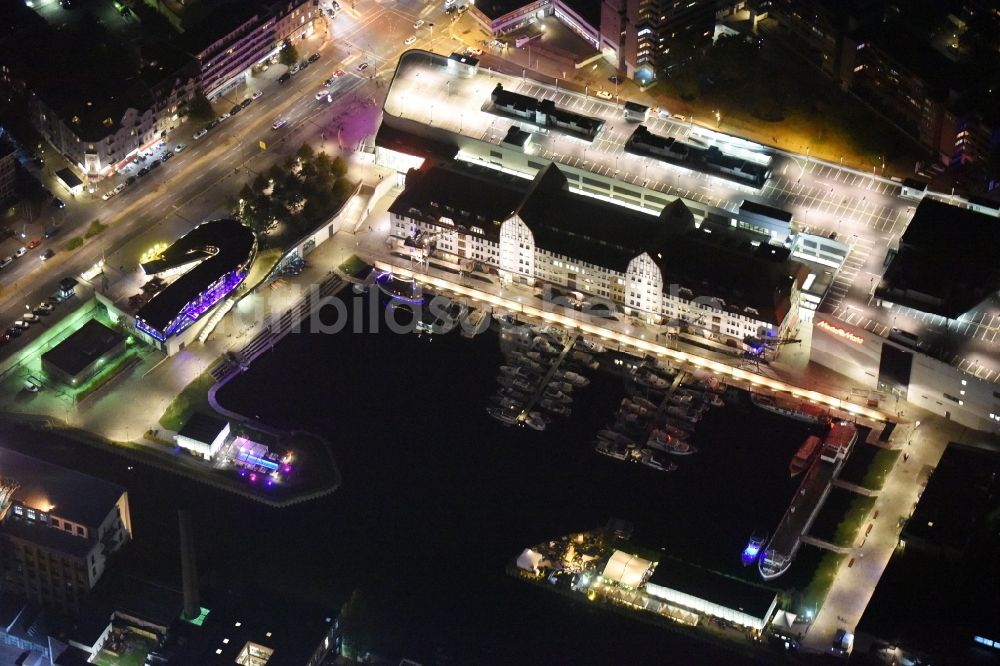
840, 333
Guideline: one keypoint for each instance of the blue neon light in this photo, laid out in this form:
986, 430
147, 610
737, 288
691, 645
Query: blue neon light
263, 463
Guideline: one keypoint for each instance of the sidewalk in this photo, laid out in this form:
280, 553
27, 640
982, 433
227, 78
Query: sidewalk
853, 586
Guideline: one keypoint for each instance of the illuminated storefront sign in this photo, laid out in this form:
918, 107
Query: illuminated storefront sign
840, 333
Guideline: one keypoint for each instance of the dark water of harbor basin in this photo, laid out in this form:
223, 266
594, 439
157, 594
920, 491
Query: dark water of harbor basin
438, 497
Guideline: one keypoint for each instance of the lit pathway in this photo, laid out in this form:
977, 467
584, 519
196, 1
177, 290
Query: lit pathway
630, 339
853, 586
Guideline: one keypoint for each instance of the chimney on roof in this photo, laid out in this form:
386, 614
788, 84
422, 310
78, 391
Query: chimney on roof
189, 567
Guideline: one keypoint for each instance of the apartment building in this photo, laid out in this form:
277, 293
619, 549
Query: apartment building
98, 123
912, 64
661, 268
645, 35
58, 527
8, 173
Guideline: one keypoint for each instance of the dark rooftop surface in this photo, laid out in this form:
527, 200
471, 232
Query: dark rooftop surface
711, 586
83, 347
77, 497
948, 597
207, 22
762, 209
946, 263
95, 76
69, 178
589, 10
402, 141
456, 191
229, 242
293, 631
202, 427
494, 9
719, 265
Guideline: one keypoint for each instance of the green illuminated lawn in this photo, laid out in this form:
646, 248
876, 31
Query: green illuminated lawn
857, 512
134, 653
877, 471
192, 398
353, 265
826, 571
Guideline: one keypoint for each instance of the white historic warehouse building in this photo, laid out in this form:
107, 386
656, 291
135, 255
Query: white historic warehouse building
662, 268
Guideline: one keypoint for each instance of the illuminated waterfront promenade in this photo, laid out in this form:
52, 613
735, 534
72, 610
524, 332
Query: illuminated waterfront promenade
631, 341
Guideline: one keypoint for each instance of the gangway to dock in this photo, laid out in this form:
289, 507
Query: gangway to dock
826, 545
536, 396
661, 409
855, 488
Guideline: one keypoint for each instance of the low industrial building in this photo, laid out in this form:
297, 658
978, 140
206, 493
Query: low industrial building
79, 356
661, 268
58, 527
711, 593
212, 259
203, 435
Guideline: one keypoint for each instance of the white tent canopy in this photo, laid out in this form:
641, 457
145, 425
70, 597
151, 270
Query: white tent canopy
627, 570
529, 560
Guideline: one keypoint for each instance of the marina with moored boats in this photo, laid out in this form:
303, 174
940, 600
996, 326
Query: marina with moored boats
539, 372
658, 416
